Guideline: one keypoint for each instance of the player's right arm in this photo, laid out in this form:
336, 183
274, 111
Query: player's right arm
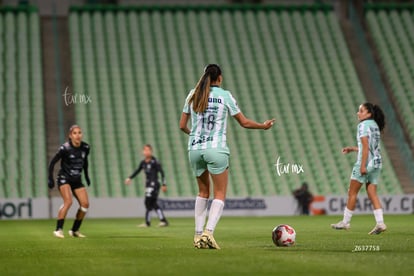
235, 111
248, 123
346, 150
135, 173
184, 122
186, 115
52, 163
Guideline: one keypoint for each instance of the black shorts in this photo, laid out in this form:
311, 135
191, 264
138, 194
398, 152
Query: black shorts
151, 203
74, 182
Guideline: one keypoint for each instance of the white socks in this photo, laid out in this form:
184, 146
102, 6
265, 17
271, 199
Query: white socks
200, 213
347, 215
160, 214
378, 216
377, 213
216, 210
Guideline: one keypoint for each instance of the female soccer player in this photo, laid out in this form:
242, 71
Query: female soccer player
208, 105
74, 158
152, 167
367, 168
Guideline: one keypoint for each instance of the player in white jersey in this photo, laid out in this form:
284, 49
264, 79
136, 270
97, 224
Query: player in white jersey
367, 167
208, 106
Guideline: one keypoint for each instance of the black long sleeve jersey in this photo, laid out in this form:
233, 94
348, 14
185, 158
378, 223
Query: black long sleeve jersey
73, 161
151, 168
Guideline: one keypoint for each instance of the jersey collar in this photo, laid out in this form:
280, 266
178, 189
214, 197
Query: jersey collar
367, 119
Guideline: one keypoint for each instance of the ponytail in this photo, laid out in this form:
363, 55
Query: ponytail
379, 117
199, 99
376, 114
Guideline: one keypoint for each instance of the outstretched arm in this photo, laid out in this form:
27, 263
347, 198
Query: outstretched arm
349, 149
183, 122
247, 123
135, 173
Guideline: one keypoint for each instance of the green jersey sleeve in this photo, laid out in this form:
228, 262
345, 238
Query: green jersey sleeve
187, 107
231, 104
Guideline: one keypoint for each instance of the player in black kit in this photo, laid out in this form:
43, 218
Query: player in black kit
74, 158
152, 167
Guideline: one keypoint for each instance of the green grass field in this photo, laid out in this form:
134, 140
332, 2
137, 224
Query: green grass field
118, 247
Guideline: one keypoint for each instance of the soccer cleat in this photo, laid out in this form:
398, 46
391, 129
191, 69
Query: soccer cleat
58, 234
208, 239
76, 234
163, 224
143, 225
199, 243
378, 229
341, 226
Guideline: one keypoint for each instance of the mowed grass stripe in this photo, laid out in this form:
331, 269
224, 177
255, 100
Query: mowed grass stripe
118, 247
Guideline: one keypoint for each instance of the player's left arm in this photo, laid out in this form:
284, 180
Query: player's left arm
86, 168
364, 156
164, 182
184, 122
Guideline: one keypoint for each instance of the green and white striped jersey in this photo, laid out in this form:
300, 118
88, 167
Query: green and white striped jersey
369, 128
208, 129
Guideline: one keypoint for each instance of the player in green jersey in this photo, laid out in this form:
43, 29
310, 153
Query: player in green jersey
367, 168
208, 106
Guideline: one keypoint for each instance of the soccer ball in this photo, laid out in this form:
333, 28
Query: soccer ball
283, 235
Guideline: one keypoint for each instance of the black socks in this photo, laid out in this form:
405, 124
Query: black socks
59, 224
76, 225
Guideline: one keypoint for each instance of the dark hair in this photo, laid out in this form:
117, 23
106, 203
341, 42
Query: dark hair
376, 114
148, 146
199, 99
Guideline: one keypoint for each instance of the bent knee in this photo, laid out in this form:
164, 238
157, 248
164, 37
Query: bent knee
204, 194
67, 203
220, 196
85, 204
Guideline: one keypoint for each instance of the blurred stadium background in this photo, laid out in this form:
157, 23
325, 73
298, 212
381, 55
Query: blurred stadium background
309, 64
